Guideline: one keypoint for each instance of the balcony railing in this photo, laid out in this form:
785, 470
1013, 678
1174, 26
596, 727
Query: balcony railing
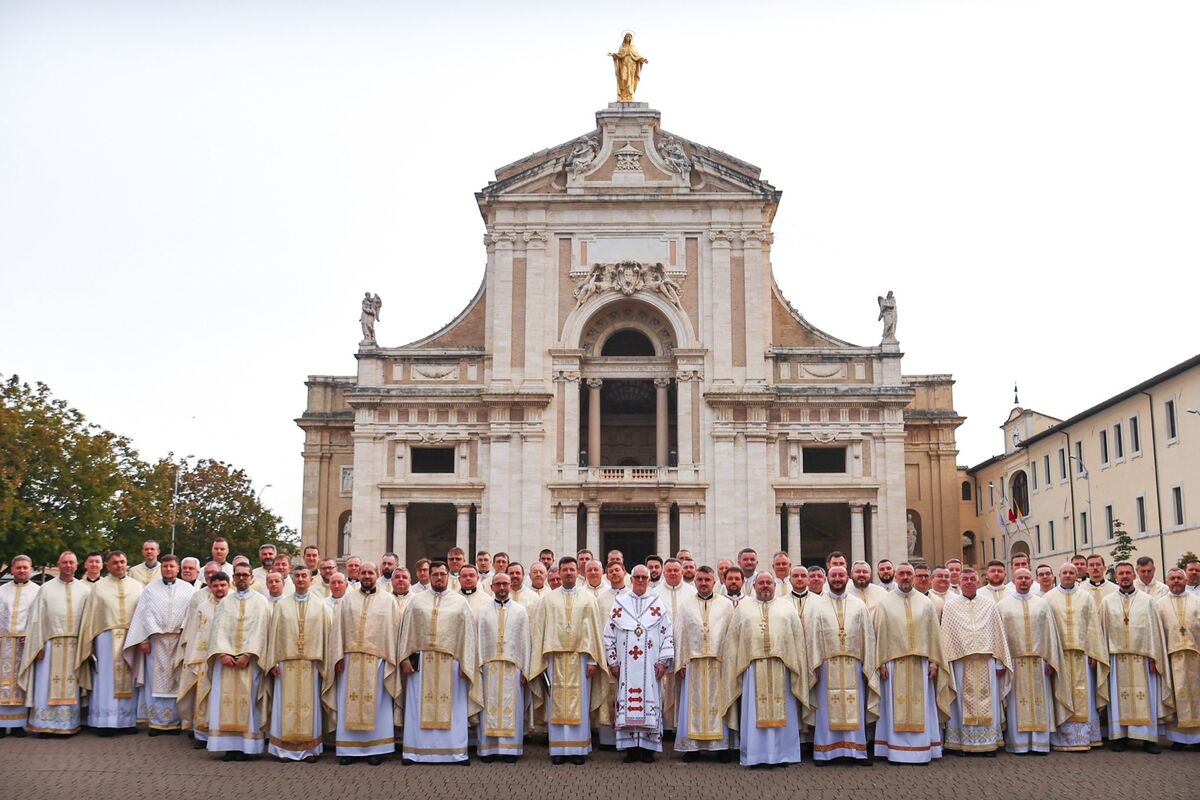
628, 474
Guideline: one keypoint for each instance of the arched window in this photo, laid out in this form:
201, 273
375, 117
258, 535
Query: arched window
966, 490
628, 342
1020, 493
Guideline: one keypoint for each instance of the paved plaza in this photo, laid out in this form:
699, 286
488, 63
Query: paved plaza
136, 767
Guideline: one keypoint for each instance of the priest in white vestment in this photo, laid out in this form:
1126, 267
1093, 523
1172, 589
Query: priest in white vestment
765, 665
363, 644
1180, 616
841, 639
567, 655
916, 686
192, 654
861, 587
639, 646
438, 660
235, 693
504, 646
1139, 686
700, 625
1039, 701
102, 670
48, 673
16, 599
1084, 670
303, 688
976, 647
149, 570
152, 646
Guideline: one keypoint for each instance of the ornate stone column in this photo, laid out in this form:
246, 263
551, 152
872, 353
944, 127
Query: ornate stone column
594, 385
569, 381
858, 543
593, 529
662, 532
793, 532
462, 526
568, 543
662, 433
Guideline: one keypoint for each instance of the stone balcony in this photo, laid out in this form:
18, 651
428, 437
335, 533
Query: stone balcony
628, 475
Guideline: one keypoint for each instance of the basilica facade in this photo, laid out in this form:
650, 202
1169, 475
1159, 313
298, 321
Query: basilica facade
629, 375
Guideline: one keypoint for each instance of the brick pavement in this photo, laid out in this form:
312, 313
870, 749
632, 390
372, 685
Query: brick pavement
166, 767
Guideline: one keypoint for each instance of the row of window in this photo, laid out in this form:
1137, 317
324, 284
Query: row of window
1139, 506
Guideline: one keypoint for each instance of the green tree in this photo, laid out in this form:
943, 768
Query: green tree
58, 474
1123, 547
1184, 559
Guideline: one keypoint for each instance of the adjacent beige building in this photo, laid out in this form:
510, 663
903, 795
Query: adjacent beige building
1133, 458
629, 375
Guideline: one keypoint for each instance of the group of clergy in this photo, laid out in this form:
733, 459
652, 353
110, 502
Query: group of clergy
903, 663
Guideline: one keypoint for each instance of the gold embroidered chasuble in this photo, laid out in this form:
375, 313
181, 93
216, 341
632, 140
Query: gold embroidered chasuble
192, 656
672, 597
16, 599
239, 627
1180, 617
569, 630
55, 617
441, 627
973, 632
768, 638
297, 641
109, 607
505, 647
700, 629
1077, 620
364, 632
1034, 644
906, 631
1133, 631
841, 635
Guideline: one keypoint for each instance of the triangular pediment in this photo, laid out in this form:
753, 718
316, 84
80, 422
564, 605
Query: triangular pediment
628, 153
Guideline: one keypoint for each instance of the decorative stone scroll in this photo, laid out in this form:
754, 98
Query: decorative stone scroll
628, 278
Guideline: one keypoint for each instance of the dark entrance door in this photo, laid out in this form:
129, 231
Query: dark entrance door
629, 529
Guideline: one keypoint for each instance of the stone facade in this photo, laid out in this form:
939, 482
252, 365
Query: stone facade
629, 375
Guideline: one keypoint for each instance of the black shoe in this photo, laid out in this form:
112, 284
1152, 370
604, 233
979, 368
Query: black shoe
487, 759
558, 761
724, 756
1152, 748
3, 732
1178, 746
199, 745
374, 761
647, 756
105, 733
578, 760
229, 756
1119, 745
345, 761
690, 756
173, 732
509, 759
869, 761
632, 756
17, 732
821, 763
156, 732
408, 762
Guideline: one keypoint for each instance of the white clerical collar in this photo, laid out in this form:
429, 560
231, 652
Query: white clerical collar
1065, 590
148, 565
1132, 590
799, 594
901, 591
1020, 596
834, 595
889, 585
240, 595
571, 590
469, 592
300, 598
709, 596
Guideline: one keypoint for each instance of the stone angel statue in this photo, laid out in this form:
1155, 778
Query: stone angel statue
370, 315
627, 63
887, 313
582, 154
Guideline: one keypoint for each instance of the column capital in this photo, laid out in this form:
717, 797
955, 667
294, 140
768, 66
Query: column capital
686, 375
720, 238
595, 383
857, 508
566, 376
662, 383
534, 238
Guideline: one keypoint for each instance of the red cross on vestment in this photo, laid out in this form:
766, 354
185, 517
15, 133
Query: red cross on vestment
616, 612
637, 652
656, 612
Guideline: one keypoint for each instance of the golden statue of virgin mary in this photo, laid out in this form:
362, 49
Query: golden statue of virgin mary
627, 62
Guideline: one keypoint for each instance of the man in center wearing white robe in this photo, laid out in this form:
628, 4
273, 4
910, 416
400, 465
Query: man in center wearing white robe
699, 631
639, 647
152, 646
503, 633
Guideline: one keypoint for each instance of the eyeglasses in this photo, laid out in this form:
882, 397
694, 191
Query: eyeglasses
641, 577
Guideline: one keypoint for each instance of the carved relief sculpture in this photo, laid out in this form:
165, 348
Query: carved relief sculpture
627, 64
629, 159
582, 155
628, 277
672, 153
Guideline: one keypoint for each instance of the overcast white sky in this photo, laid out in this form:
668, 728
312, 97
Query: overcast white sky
194, 195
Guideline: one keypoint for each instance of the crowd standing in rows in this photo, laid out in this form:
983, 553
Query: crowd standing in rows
731, 661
